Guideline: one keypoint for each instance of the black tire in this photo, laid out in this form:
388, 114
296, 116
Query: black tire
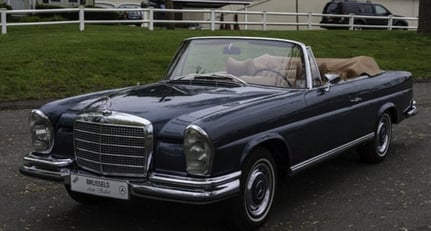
85, 199
377, 150
251, 207
400, 24
359, 25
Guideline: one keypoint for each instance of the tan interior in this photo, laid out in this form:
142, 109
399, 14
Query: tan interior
267, 70
273, 70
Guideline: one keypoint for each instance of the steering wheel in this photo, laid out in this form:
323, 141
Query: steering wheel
278, 74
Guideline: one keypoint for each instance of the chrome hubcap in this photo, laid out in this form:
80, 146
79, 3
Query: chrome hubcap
383, 135
259, 190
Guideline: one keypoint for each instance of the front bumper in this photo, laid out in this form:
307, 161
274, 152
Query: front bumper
158, 186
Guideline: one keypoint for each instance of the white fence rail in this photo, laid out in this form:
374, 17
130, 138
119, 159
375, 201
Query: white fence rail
210, 19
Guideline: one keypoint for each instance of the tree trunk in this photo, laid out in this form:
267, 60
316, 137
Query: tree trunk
424, 17
171, 15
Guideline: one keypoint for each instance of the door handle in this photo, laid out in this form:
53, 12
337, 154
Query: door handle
356, 100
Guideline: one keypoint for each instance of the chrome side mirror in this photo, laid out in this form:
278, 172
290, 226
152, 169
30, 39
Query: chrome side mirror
330, 80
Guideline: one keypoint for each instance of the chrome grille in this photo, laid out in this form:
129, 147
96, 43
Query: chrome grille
117, 144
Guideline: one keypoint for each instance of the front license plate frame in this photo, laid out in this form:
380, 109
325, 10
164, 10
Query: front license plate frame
99, 186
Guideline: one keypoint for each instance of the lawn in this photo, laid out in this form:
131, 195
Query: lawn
49, 62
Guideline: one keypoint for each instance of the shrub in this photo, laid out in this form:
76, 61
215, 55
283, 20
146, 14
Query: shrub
4, 5
101, 15
75, 15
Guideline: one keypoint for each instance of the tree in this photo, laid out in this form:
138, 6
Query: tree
171, 16
424, 17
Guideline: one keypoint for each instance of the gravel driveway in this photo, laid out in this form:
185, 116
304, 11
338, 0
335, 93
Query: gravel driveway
341, 194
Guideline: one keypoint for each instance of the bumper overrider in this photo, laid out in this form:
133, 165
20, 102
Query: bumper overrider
155, 185
411, 110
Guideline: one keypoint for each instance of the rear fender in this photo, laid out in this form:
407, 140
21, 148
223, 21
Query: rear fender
391, 108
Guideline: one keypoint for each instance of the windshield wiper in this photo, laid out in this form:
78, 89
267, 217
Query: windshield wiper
220, 76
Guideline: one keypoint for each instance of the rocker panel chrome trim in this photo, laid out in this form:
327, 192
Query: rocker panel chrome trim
330, 153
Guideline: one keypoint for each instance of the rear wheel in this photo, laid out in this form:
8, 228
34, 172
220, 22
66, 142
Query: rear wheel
258, 184
377, 150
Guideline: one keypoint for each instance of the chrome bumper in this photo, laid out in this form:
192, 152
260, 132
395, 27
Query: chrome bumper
411, 110
156, 186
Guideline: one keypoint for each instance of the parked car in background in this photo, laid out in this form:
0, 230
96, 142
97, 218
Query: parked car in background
230, 115
131, 15
358, 8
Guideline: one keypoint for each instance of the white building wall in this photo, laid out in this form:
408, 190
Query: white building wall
408, 8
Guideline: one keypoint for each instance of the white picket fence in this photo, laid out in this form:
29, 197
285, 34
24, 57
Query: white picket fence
260, 20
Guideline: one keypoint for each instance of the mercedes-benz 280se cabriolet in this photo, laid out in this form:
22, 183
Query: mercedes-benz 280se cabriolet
230, 115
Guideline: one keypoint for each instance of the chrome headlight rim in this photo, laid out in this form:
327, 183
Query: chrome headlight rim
37, 117
204, 137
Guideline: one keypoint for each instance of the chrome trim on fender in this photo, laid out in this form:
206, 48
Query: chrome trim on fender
330, 153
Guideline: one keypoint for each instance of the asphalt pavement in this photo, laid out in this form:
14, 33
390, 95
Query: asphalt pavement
340, 194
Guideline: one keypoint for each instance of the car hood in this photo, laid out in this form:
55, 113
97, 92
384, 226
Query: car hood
165, 104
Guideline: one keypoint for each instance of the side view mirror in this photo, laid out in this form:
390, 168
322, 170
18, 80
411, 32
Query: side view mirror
330, 80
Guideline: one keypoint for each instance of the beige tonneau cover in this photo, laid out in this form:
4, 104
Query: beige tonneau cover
349, 67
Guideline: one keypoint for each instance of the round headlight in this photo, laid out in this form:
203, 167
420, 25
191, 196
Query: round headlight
198, 151
42, 132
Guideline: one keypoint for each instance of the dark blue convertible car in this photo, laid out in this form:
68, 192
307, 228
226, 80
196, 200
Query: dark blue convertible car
230, 115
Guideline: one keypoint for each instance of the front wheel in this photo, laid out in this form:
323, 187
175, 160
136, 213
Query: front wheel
377, 150
258, 185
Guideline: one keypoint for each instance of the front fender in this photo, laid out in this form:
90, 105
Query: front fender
273, 141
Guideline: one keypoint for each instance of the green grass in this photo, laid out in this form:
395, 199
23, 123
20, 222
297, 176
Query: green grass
57, 61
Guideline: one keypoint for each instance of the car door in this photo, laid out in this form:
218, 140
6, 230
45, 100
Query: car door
326, 117
329, 113
380, 11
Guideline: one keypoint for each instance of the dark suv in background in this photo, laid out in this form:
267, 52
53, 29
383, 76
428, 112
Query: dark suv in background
358, 8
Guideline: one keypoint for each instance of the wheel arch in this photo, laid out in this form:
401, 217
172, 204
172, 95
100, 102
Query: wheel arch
391, 109
360, 21
276, 145
400, 23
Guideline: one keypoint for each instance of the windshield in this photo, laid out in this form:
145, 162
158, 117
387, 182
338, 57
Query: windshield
249, 61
